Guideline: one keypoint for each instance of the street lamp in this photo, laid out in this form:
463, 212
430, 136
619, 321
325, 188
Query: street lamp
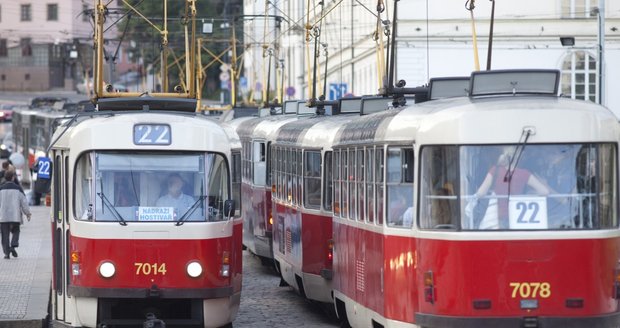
567, 41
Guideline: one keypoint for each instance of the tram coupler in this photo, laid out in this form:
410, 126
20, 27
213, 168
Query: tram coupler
153, 322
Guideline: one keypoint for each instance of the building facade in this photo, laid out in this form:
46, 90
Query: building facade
434, 39
43, 43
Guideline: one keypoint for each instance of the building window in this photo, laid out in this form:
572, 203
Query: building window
52, 12
26, 13
26, 47
27, 77
0, 13
578, 8
580, 76
3, 48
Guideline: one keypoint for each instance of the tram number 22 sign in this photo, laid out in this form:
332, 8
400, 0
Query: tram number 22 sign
531, 289
152, 134
148, 269
527, 212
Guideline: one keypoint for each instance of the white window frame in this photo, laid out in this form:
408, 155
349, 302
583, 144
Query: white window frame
586, 72
569, 8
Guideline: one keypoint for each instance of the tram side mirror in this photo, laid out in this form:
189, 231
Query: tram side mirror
229, 208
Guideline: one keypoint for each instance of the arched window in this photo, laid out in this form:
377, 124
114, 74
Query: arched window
580, 76
578, 8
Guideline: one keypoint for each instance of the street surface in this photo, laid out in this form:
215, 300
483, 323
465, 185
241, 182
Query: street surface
264, 304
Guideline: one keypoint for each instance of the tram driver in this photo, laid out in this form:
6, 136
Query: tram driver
175, 196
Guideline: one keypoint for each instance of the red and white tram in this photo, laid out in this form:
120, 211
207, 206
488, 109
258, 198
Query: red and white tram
302, 154
127, 249
256, 135
495, 210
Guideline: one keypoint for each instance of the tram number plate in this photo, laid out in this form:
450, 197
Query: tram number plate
151, 134
527, 212
530, 289
148, 269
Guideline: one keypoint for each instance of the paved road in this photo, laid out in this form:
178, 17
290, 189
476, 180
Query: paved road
25, 280
264, 304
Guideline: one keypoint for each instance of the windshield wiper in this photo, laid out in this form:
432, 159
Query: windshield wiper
190, 210
111, 207
516, 156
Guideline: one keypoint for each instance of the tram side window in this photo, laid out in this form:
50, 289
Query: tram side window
400, 187
379, 174
607, 168
299, 177
312, 179
276, 173
328, 184
439, 206
337, 183
288, 186
82, 184
259, 165
246, 162
269, 164
345, 186
370, 199
361, 196
236, 181
352, 189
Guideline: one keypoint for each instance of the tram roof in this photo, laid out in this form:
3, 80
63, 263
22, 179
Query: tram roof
502, 119
472, 120
114, 130
263, 127
317, 132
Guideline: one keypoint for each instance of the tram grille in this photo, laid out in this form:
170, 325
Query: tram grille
133, 312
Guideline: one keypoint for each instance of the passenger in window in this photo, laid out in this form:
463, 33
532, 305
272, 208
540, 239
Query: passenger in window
559, 175
400, 212
499, 181
125, 196
175, 196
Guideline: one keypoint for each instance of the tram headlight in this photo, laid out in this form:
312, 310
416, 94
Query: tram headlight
107, 269
194, 269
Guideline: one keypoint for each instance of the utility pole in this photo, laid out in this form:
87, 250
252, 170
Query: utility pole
601, 52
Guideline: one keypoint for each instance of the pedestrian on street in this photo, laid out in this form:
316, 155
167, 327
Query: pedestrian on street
7, 165
13, 204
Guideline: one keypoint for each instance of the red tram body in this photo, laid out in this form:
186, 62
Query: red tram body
256, 135
122, 256
302, 209
510, 219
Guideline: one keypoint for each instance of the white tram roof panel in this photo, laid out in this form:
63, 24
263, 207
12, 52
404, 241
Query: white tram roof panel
512, 82
316, 132
350, 105
502, 120
290, 107
263, 127
448, 87
116, 131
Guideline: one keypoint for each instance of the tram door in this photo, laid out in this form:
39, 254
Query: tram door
60, 233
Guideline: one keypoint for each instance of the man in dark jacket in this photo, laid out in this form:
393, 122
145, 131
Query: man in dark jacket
13, 203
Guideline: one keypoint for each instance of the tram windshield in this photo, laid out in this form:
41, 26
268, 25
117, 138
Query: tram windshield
516, 187
151, 187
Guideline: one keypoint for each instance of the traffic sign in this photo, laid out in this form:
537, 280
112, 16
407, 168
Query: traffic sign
337, 90
224, 76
